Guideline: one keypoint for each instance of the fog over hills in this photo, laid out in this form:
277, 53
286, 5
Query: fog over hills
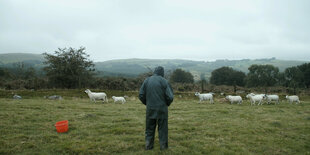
134, 67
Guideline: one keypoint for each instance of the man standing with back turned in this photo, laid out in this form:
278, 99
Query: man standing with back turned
157, 94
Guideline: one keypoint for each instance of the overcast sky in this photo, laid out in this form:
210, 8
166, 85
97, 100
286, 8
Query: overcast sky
162, 29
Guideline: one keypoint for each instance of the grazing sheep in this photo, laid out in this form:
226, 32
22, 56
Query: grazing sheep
99, 96
270, 98
54, 97
121, 99
253, 98
292, 99
233, 99
17, 97
208, 96
251, 94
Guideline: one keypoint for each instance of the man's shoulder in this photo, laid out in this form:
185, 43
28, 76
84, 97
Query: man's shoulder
159, 77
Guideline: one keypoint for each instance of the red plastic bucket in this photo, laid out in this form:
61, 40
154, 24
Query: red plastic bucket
62, 126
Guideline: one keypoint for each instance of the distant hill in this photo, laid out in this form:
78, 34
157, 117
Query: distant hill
20, 57
134, 67
138, 66
30, 60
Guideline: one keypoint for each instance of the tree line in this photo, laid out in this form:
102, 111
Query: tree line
70, 68
264, 76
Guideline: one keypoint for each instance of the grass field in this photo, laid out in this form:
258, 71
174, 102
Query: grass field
27, 127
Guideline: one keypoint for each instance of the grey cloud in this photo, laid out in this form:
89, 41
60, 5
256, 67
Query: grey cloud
198, 29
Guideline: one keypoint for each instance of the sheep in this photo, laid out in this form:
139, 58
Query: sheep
253, 98
233, 99
270, 98
17, 97
93, 96
247, 96
54, 97
251, 94
292, 99
208, 96
122, 99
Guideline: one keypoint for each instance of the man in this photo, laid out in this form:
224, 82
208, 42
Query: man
157, 94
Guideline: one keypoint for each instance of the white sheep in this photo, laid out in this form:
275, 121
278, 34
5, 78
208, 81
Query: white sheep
292, 99
251, 94
233, 99
17, 97
93, 96
270, 98
253, 98
208, 96
121, 99
54, 97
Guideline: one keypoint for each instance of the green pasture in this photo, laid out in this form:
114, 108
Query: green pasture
27, 127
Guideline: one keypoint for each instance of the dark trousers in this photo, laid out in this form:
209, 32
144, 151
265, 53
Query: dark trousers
162, 133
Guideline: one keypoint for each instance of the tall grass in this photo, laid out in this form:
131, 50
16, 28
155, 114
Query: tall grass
27, 127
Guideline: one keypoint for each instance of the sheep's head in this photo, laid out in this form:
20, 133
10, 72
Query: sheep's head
87, 91
249, 95
113, 97
286, 96
196, 93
